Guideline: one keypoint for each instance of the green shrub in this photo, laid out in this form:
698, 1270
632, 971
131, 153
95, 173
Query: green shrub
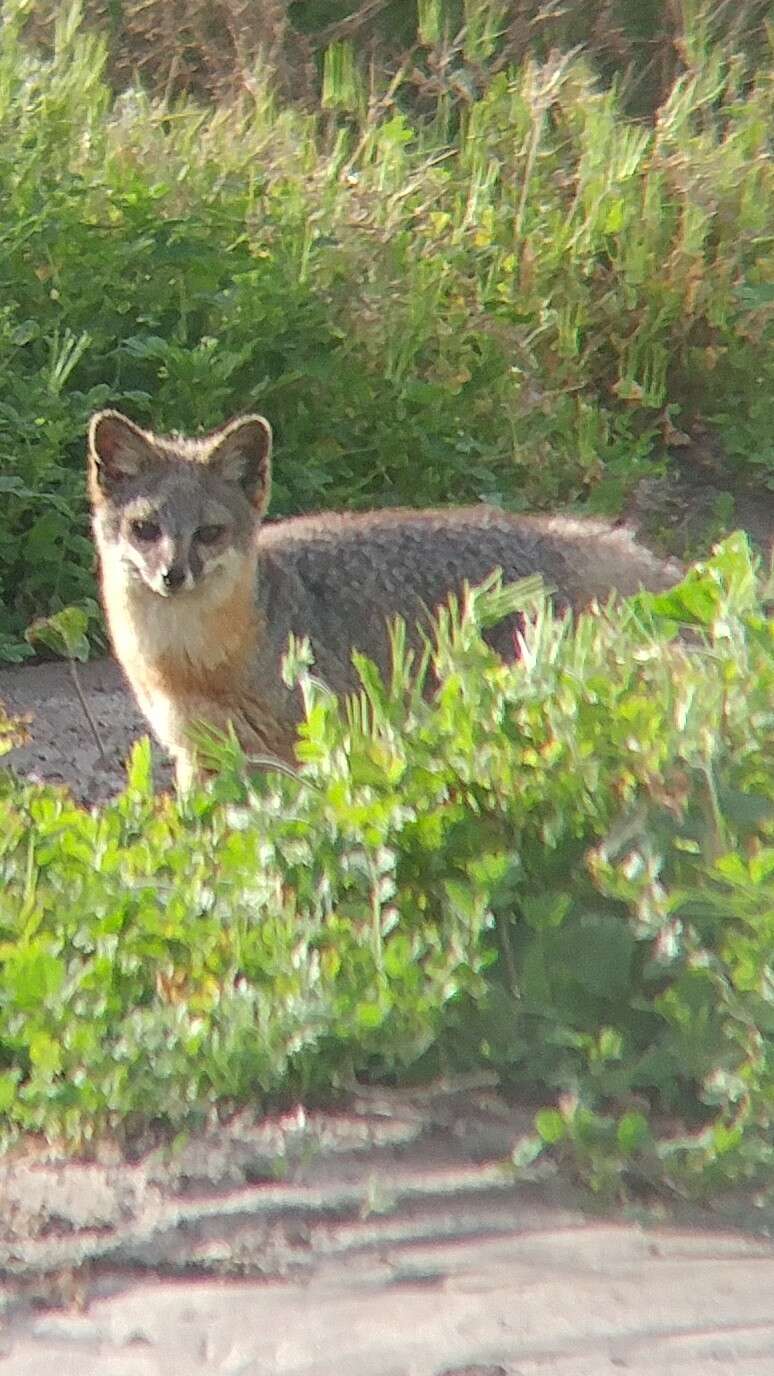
563, 868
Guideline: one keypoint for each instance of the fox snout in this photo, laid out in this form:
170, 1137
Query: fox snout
174, 569
171, 567
164, 566
175, 577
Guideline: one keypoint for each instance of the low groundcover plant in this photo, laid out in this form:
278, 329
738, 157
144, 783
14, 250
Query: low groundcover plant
561, 868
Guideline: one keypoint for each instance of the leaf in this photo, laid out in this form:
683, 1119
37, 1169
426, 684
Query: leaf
633, 1133
8, 1089
45, 1053
139, 774
13, 652
545, 909
13, 731
370, 1015
598, 951
32, 976
64, 632
614, 217
550, 1125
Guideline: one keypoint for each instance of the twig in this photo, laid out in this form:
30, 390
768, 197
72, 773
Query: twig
87, 711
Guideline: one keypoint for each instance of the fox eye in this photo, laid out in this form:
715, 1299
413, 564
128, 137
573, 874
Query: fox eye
207, 535
147, 531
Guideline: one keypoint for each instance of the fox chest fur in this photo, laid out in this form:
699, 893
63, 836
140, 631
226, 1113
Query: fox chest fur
189, 659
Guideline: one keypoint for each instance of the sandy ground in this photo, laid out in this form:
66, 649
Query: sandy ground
387, 1240
62, 749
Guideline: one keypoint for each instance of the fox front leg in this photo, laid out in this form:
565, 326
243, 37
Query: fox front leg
188, 772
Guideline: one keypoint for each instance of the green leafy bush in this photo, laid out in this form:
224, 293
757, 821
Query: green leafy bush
562, 867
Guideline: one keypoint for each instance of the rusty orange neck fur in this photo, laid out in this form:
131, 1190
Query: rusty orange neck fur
196, 642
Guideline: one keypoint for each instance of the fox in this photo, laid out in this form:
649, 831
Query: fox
201, 594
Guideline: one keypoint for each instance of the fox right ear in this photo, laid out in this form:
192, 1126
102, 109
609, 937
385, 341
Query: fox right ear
118, 449
241, 454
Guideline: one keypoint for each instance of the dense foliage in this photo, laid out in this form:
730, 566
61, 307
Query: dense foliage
506, 288
563, 868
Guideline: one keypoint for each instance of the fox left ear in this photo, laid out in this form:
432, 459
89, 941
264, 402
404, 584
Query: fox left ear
241, 454
118, 450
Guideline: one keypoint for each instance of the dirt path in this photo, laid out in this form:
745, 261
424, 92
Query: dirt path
61, 747
390, 1240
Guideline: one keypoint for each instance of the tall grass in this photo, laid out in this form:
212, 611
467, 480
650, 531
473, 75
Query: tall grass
209, 47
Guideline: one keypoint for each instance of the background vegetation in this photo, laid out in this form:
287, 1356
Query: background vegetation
506, 250
443, 276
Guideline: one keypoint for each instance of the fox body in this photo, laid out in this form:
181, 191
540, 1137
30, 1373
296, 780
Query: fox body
201, 597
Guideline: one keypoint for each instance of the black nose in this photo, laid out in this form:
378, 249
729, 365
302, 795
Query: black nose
173, 577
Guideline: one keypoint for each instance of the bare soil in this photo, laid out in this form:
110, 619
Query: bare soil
390, 1239
62, 749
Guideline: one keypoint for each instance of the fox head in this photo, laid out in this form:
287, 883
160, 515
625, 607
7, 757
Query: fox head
176, 511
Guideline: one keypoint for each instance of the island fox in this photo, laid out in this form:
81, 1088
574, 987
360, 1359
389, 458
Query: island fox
201, 597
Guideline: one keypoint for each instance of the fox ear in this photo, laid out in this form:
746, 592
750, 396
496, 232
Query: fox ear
241, 454
118, 450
